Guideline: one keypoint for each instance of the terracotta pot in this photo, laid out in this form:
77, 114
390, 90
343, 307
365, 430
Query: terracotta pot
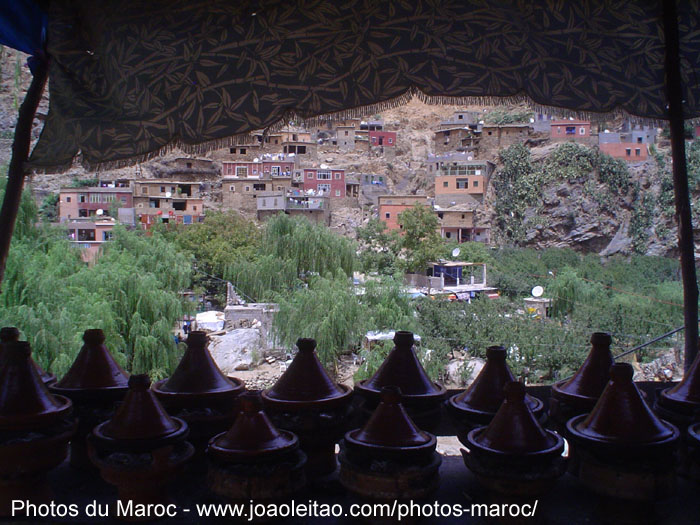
94, 382
421, 398
579, 394
306, 401
478, 404
514, 455
9, 334
253, 459
199, 393
141, 449
625, 453
35, 428
389, 457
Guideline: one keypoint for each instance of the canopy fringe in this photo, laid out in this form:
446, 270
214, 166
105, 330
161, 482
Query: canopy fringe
350, 113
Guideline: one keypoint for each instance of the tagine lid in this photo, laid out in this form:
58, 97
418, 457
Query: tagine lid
252, 435
402, 368
305, 380
94, 369
25, 402
485, 394
197, 372
140, 417
390, 427
685, 396
590, 379
621, 416
514, 429
11, 333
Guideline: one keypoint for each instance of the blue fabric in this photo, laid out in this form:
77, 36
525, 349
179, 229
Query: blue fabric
23, 26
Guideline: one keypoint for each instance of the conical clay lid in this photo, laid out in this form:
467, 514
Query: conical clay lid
590, 379
305, 379
485, 394
11, 333
25, 402
621, 415
390, 426
140, 416
94, 368
402, 368
687, 392
197, 373
514, 429
252, 434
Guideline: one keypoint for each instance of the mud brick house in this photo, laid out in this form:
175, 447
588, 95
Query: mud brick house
324, 181
243, 181
295, 203
167, 200
457, 224
494, 137
461, 119
461, 138
390, 206
74, 203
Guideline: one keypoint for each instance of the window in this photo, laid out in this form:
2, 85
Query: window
346, 133
637, 152
490, 133
475, 184
280, 188
387, 215
94, 197
374, 140
67, 199
259, 187
179, 205
162, 189
462, 184
337, 193
189, 165
445, 184
107, 236
462, 216
558, 131
448, 234
639, 140
323, 188
123, 199
263, 203
86, 235
571, 130
310, 175
241, 171
337, 176
82, 213
232, 188
108, 197
629, 152
247, 188
323, 175
391, 141
242, 151
232, 150
82, 198
582, 131
194, 208
275, 170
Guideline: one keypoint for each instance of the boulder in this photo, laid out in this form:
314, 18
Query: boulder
239, 349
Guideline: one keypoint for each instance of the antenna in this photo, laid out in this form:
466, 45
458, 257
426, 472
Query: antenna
455, 252
537, 291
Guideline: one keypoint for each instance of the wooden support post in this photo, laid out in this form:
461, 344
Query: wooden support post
20, 153
686, 244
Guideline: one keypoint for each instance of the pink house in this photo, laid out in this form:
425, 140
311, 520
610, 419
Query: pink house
329, 182
261, 169
577, 130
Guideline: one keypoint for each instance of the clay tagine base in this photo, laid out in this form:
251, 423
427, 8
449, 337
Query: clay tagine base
143, 478
25, 463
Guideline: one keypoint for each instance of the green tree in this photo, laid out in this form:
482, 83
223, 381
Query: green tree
379, 248
420, 241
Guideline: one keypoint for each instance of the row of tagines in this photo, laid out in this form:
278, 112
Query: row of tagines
266, 445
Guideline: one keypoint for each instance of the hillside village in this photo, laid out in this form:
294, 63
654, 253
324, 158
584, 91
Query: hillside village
341, 173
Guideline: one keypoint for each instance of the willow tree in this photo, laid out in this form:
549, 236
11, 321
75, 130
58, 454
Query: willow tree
313, 247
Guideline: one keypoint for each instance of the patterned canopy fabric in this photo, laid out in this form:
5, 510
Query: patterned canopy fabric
129, 78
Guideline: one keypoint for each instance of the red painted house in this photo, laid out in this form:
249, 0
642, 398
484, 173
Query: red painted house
382, 138
330, 181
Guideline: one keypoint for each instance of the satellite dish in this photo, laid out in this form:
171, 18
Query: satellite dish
537, 291
168, 194
99, 212
455, 252
256, 159
324, 166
